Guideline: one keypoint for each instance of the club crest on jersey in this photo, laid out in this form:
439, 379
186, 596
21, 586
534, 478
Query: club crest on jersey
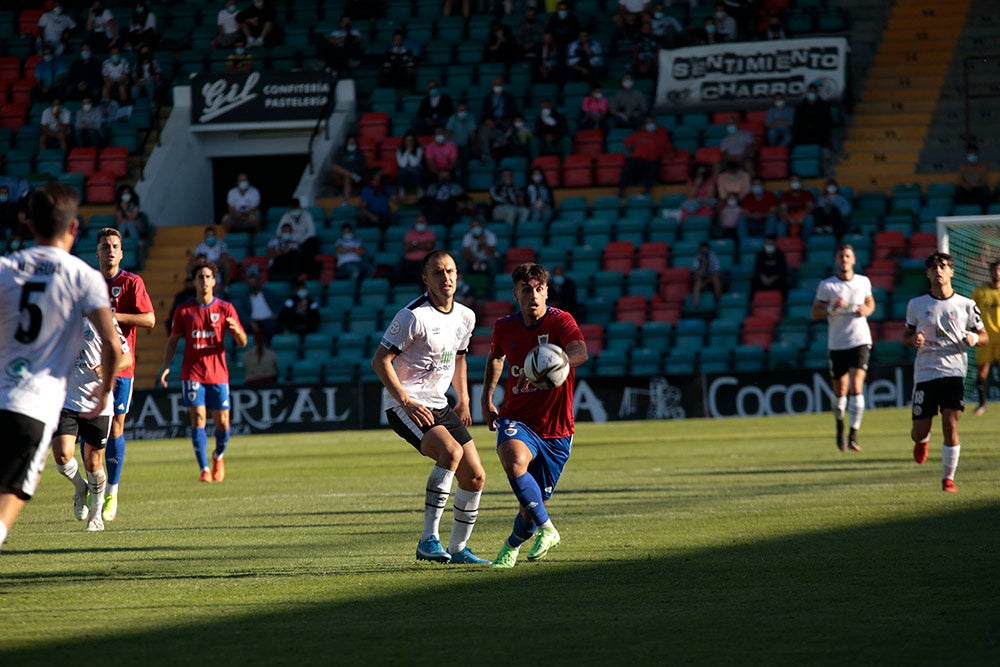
394, 327
214, 317
116, 291
543, 339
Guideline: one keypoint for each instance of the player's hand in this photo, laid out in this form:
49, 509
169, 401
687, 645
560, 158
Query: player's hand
464, 413
419, 413
490, 415
100, 399
97, 371
233, 325
164, 372
971, 338
919, 339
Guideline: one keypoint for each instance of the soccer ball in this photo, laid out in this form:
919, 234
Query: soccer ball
546, 366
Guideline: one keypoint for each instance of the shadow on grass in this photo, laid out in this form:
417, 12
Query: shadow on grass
916, 592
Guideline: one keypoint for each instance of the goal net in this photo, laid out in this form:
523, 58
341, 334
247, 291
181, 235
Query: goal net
974, 242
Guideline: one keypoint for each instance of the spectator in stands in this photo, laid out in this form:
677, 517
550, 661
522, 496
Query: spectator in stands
539, 197
343, 48
399, 64
548, 62
628, 19
85, 78
378, 199
515, 141
300, 314
728, 214
441, 155
667, 30
500, 45
10, 219
529, 35
738, 145
831, 213
257, 23
50, 77
117, 74
794, 206
240, 60
435, 109
773, 29
706, 272
759, 211
499, 105
129, 218
594, 111
304, 231
54, 29
645, 148
214, 250
742, 12
734, 180
645, 52
352, 263
585, 59
55, 124
770, 270
410, 160
450, 5
562, 291
550, 122
507, 199
461, 129
243, 202
813, 120
186, 293
102, 28
229, 26
564, 26
479, 249
284, 253
259, 308
141, 28
417, 242
628, 106
349, 165
703, 35
973, 180
779, 122
444, 200
726, 29
701, 192
260, 364
148, 75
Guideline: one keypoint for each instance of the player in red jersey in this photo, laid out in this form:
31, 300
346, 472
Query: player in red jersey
132, 308
534, 425
203, 322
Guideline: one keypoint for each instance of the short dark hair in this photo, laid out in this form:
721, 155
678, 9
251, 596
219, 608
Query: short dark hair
994, 264
203, 263
431, 256
530, 271
52, 209
108, 231
939, 258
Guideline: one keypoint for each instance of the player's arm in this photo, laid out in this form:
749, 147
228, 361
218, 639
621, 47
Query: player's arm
912, 337
576, 351
978, 338
382, 365
494, 369
111, 354
141, 320
168, 356
236, 329
460, 381
867, 307
819, 310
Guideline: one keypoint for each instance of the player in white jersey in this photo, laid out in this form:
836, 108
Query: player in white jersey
846, 301
941, 325
423, 352
44, 293
81, 383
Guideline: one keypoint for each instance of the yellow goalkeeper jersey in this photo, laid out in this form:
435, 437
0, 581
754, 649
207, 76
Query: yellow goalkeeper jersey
987, 298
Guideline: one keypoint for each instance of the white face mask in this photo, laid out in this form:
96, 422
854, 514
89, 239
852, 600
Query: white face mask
244, 185
421, 227
832, 189
439, 138
303, 293
546, 113
87, 107
537, 178
780, 104
650, 127
627, 83
126, 196
497, 89
796, 185
811, 97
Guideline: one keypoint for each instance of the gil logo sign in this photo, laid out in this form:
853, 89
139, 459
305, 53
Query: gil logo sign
18, 369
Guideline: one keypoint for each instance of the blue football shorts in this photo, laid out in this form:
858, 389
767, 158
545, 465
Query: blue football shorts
212, 396
548, 455
123, 395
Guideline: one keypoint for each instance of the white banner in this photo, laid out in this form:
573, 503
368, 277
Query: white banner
746, 75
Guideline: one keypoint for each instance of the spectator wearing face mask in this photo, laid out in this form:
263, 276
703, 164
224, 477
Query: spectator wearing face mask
514, 141
304, 231
349, 165
461, 128
562, 292
666, 29
85, 78
564, 26
410, 163
129, 218
257, 23
831, 213
585, 59
779, 121
628, 106
794, 205
507, 199
758, 211
141, 31
813, 120
441, 155
54, 28
706, 273
117, 73
973, 180
284, 254
102, 28
300, 314
726, 28
244, 207
770, 271
594, 110
435, 109
240, 60
228, 26
738, 145
499, 105
351, 261
646, 147
55, 123
417, 242
214, 250
551, 130
50, 77
539, 197
479, 249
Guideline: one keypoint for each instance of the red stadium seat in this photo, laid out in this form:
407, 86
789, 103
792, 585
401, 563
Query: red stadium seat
794, 248
767, 304
756, 116
10, 69
922, 244
113, 159
100, 188
632, 309
609, 168
83, 161
369, 146
654, 255
20, 92
577, 171
480, 345
661, 311
618, 256
889, 244
593, 334
893, 330
757, 331
588, 142
549, 164
27, 22
676, 168
772, 162
515, 257
675, 284
260, 262
374, 124
388, 146
13, 115
708, 155
722, 117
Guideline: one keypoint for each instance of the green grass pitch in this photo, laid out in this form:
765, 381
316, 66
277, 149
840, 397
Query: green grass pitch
698, 542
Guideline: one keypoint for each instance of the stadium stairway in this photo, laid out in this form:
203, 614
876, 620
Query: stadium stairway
890, 123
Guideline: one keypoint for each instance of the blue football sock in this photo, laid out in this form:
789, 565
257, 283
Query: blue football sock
200, 440
114, 456
523, 530
221, 442
529, 494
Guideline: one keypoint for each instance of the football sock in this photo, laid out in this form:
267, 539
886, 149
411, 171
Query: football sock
981, 390
221, 442
96, 483
436, 499
71, 471
949, 460
839, 407
114, 457
529, 494
466, 511
200, 440
112, 489
855, 410
523, 530
3, 532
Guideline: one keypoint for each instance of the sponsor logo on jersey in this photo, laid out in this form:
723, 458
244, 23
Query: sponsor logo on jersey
394, 327
19, 368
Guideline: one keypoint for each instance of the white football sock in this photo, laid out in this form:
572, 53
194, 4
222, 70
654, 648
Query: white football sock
71, 471
3, 532
466, 512
839, 407
855, 409
96, 482
436, 499
949, 460
113, 488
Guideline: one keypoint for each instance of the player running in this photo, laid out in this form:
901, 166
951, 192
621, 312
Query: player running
202, 323
846, 301
133, 309
987, 298
941, 324
534, 425
83, 380
423, 352
44, 293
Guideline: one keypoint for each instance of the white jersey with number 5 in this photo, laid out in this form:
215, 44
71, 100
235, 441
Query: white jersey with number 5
846, 328
426, 341
44, 293
944, 323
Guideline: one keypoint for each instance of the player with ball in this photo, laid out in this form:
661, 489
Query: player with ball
534, 426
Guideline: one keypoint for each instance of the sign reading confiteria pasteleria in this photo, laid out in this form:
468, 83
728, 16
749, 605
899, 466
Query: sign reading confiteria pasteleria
259, 97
